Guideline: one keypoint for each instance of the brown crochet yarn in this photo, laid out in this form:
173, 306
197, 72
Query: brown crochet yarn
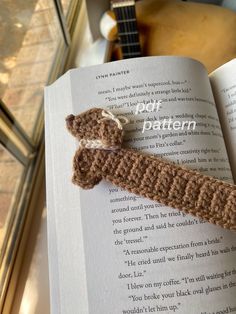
92, 125
159, 180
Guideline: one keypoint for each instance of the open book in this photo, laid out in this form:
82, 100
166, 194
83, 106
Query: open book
112, 252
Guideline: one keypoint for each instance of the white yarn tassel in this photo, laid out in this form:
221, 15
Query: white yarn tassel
118, 119
97, 144
91, 144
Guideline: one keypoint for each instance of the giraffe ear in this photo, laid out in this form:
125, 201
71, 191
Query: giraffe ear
83, 175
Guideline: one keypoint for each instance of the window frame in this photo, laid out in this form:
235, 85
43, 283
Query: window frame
30, 153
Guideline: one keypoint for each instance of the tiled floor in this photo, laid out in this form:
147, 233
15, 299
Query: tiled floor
29, 37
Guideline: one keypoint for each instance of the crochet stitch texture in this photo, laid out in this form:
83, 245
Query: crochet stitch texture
155, 178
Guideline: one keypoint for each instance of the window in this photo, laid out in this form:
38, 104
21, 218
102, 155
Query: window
11, 176
35, 39
31, 35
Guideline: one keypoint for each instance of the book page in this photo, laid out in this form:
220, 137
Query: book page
139, 256
51, 226
67, 274
223, 81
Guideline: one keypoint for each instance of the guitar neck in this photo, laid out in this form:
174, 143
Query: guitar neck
127, 28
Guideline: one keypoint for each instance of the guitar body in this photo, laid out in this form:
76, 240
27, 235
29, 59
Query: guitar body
200, 31
108, 26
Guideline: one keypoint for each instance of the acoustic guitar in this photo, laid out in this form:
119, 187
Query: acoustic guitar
172, 27
121, 24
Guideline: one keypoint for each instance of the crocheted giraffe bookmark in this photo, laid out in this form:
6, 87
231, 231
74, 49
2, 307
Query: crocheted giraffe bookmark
101, 156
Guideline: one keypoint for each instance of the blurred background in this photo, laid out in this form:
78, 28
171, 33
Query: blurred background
39, 41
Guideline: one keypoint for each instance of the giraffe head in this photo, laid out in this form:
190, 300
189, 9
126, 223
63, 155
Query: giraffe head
99, 132
96, 128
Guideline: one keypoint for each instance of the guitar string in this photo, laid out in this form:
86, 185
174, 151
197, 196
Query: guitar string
131, 15
130, 41
127, 17
118, 17
138, 35
126, 31
129, 49
135, 37
138, 47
